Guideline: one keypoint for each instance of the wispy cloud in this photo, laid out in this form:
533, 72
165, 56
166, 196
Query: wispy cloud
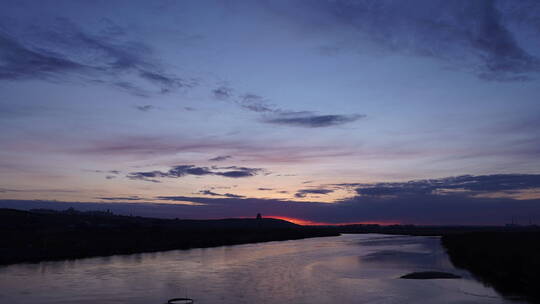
220, 158
223, 92
256, 103
465, 184
121, 198
145, 108
156, 145
275, 115
237, 172
229, 195
311, 120
304, 192
64, 52
475, 36
6, 190
110, 174
249, 101
185, 170
151, 146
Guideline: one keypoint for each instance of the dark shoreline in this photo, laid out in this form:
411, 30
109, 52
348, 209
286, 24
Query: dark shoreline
509, 261
47, 235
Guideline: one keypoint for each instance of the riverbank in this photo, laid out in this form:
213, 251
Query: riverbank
507, 258
40, 235
509, 261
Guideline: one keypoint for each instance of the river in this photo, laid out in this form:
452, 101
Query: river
353, 268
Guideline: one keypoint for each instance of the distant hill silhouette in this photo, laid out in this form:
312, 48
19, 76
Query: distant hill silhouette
47, 218
47, 234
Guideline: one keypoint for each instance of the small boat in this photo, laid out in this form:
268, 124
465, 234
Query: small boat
180, 301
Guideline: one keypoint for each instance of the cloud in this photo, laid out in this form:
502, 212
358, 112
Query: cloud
145, 108
120, 198
220, 158
208, 192
166, 82
237, 172
144, 147
146, 176
409, 207
5, 190
416, 206
233, 195
185, 170
311, 120
223, 93
265, 189
111, 174
155, 145
256, 103
275, 115
64, 52
104, 171
249, 101
19, 62
465, 184
229, 195
305, 192
475, 36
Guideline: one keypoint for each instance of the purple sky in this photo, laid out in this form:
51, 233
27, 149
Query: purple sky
327, 111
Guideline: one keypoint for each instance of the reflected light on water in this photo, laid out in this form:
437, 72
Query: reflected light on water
346, 269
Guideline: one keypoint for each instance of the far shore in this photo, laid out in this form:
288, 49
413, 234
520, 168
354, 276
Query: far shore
46, 235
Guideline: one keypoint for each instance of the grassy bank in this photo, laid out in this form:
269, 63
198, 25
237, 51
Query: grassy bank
508, 260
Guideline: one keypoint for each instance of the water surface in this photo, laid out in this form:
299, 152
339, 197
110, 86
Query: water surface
361, 268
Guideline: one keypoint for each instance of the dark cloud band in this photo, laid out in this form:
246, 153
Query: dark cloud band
310, 120
185, 170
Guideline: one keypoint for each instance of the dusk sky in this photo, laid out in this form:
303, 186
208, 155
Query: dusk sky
423, 112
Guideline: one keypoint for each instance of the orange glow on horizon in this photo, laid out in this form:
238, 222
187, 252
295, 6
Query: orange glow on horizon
312, 223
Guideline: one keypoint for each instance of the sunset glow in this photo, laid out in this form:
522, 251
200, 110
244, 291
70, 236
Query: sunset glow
319, 111
312, 223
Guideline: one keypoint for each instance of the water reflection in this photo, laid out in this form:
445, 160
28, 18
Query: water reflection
345, 269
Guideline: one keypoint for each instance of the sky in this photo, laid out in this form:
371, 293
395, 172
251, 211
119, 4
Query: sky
320, 111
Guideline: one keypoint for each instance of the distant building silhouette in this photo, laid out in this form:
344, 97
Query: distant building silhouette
259, 216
